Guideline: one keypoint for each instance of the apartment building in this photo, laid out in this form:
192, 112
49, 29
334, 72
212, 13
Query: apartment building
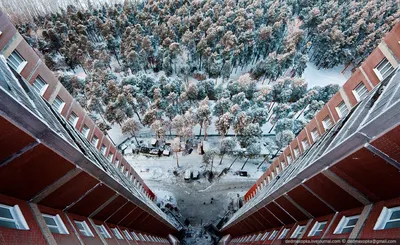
334, 180
61, 179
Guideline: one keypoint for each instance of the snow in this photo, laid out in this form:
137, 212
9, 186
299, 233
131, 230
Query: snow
322, 77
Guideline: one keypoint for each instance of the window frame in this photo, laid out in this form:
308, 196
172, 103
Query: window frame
317, 228
284, 233
127, 235
299, 231
43, 89
17, 217
359, 97
273, 235
339, 111
85, 134
103, 149
20, 66
60, 226
103, 231
343, 224
97, 141
385, 217
76, 119
86, 229
378, 72
315, 135
61, 106
117, 234
135, 236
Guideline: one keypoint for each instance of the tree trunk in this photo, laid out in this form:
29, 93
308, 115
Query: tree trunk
244, 164
273, 125
222, 157
137, 142
233, 162
301, 112
201, 127
258, 167
276, 153
177, 162
205, 134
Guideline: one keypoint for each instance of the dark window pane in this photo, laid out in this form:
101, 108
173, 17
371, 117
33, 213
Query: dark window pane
394, 224
318, 233
54, 230
5, 212
8, 224
347, 230
395, 215
321, 226
352, 222
49, 221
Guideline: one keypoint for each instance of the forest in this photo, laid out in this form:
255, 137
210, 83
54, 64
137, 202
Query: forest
174, 64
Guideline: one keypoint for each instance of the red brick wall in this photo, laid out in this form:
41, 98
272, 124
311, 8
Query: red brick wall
353, 81
392, 40
29, 55
61, 239
86, 239
368, 229
321, 116
333, 103
46, 76
77, 109
33, 236
67, 98
335, 222
7, 29
370, 63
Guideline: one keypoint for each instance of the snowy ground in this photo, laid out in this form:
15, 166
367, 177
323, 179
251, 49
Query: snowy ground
322, 77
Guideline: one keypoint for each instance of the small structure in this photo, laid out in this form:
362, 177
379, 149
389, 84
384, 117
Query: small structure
196, 174
188, 175
154, 142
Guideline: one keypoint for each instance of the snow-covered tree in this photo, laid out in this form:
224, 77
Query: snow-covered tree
131, 126
226, 146
251, 134
223, 123
176, 147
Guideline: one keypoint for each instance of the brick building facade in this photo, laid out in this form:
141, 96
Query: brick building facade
62, 181
338, 178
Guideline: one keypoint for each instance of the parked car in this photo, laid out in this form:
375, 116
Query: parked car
188, 175
166, 153
242, 173
154, 152
196, 174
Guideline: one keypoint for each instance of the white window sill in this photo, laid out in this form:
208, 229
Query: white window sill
21, 67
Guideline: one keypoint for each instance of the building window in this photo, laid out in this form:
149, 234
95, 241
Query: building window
360, 92
341, 109
298, 232
383, 69
269, 178
85, 131
389, 218
258, 237
283, 233
103, 149
116, 163
11, 217
110, 156
346, 224
55, 224
273, 235
296, 152
128, 236
327, 122
122, 169
95, 141
117, 233
317, 229
83, 228
305, 144
252, 238
103, 231
141, 237
135, 236
289, 159
272, 174
16, 61
58, 104
315, 134
127, 173
73, 119
39, 85
277, 170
